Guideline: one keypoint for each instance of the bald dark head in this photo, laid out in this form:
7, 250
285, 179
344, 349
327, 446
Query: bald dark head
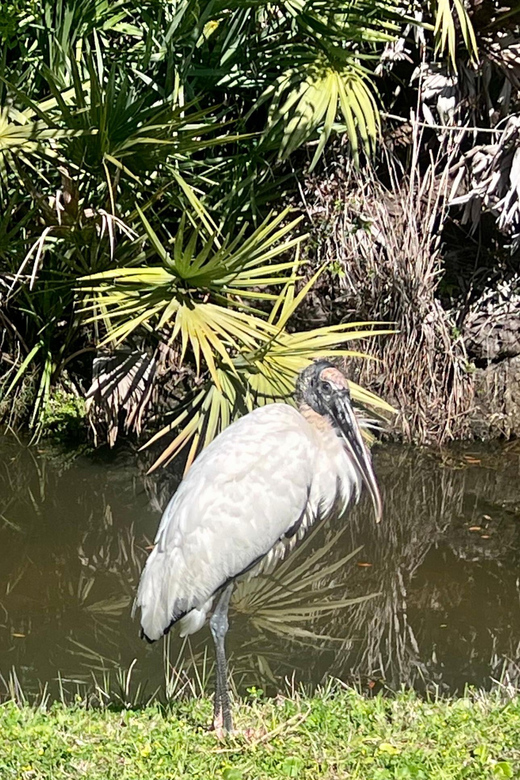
317, 382
324, 388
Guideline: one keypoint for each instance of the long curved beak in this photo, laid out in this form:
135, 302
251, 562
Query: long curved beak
345, 419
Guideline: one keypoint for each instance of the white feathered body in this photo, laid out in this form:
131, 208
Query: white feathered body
249, 495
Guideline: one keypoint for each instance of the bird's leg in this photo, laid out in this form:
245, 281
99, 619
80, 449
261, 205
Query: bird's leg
218, 624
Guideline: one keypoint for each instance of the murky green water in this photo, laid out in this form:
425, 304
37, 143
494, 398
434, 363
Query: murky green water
445, 563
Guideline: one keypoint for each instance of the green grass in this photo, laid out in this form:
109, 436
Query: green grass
336, 734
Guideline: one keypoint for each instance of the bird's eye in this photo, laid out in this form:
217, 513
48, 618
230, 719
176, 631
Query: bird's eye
325, 388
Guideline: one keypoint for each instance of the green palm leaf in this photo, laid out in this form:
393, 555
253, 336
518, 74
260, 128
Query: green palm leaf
264, 376
306, 102
197, 294
447, 13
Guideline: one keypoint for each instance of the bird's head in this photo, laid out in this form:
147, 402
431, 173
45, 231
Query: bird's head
324, 388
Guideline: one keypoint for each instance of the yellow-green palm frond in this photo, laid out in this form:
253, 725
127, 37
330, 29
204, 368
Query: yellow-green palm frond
260, 378
263, 375
22, 137
198, 294
197, 260
307, 102
448, 15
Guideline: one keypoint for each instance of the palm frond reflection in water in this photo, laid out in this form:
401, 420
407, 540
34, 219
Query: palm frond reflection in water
448, 610
302, 590
421, 499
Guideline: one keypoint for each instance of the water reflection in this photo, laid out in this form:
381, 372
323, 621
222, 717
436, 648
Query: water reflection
441, 573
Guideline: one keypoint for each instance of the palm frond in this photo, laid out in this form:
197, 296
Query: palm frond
306, 102
304, 589
198, 292
449, 14
266, 374
121, 382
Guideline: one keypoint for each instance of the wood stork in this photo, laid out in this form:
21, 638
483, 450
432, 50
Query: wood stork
245, 501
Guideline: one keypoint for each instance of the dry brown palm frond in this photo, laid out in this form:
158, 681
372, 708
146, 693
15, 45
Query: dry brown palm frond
490, 175
438, 88
492, 325
503, 50
492, 336
384, 243
122, 386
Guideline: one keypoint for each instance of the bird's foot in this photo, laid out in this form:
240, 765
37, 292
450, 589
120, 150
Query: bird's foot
221, 728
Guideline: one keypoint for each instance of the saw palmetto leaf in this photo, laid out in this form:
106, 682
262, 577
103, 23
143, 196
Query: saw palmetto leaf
450, 14
122, 383
198, 291
258, 378
251, 362
308, 101
105, 119
198, 259
24, 138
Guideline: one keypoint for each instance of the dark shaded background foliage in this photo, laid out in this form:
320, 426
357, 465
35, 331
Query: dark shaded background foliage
138, 140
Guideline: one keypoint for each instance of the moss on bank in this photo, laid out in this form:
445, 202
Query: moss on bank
333, 735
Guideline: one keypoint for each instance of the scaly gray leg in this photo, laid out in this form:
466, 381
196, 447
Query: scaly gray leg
222, 720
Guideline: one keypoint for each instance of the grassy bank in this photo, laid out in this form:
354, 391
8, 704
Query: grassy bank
337, 734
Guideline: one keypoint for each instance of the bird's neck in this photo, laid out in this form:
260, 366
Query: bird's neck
318, 421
